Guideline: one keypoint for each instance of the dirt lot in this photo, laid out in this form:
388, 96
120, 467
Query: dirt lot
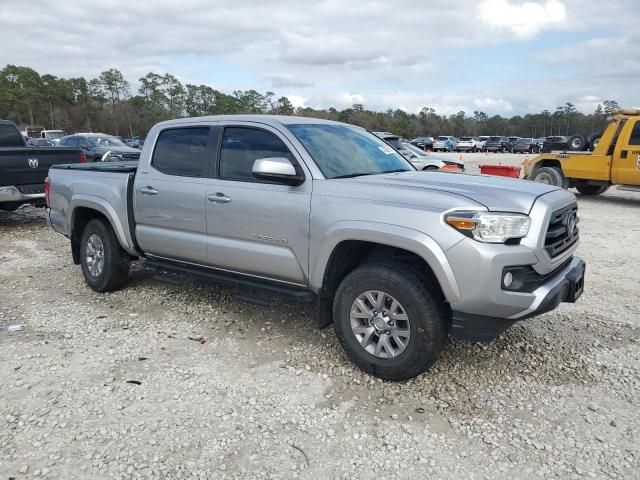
169, 378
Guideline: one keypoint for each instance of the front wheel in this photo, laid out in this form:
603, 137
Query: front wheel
105, 265
592, 189
390, 322
549, 176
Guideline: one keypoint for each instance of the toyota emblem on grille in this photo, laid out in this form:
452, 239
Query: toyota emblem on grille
571, 224
33, 162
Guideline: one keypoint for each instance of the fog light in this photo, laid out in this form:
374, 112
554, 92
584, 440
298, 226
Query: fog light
508, 279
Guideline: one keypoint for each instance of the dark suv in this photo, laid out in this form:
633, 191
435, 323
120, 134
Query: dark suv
497, 144
525, 145
100, 147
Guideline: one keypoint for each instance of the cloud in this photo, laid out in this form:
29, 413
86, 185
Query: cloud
495, 104
524, 20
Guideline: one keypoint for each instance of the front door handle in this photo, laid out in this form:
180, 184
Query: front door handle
218, 197
148, 190
623, 154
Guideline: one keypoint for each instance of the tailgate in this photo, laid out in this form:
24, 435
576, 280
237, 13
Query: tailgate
30, 166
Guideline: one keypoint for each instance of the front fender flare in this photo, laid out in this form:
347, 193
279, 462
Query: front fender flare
385, 234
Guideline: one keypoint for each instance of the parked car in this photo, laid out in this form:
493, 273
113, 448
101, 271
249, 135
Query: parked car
136, 142
396, 142
497, 144
444, 143
427, 161
396, 259
100, 147
539, 143
468, 144
40, 142
483, 139
555, 143
23, 168
525, 145
425, 143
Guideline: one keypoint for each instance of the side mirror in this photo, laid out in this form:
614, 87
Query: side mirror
277, 169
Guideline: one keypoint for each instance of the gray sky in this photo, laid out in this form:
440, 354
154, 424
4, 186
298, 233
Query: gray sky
499, 56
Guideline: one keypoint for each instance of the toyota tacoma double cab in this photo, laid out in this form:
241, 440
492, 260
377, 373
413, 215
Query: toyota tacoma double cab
396, 259
23, 169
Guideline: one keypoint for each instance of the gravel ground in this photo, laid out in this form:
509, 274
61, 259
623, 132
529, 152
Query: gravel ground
169, 378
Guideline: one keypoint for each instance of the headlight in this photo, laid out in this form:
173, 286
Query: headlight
490, 227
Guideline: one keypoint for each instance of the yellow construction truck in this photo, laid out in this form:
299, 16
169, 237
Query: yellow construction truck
614, 159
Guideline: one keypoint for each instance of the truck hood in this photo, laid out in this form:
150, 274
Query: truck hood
495, 193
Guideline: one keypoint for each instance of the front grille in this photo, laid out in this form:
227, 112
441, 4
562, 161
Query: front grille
563, 231
31, 188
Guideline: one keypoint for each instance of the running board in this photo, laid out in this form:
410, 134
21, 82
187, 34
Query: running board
212, 274
629, 188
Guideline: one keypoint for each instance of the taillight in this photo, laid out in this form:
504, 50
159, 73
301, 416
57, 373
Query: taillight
47, 187
83, 158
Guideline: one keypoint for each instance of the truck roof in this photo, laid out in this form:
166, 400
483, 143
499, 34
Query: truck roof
266, 119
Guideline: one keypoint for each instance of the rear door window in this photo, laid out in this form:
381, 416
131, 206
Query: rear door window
184, 152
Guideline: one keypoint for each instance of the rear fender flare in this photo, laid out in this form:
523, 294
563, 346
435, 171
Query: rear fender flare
105, 209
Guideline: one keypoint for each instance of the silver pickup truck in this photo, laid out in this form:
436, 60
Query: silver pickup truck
395, 258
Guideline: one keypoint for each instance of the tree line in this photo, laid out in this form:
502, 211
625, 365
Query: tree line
108, 104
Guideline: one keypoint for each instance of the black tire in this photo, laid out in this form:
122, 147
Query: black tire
592, 189
594, 138
577, 143
550, 176
423, 305
115, 271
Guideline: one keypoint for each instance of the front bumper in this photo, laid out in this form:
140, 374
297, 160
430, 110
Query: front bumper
566, 285
11, 194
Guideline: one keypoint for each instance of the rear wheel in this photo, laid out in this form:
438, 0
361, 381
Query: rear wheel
592, 189
105, 265
390, 321
549, 176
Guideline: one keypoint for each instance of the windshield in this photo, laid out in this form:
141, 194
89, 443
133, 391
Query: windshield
343, 151
466, 139
442, 139
105, 142
414, 149
494, 139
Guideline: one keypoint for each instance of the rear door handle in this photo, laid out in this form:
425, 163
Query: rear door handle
148, 190
218, 197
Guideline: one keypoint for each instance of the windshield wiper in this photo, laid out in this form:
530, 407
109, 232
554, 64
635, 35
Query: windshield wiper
351, 175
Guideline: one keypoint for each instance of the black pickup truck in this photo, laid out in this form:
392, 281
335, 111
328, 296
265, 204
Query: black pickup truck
24, 169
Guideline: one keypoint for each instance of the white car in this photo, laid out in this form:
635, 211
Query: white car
426, 161
469, 144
